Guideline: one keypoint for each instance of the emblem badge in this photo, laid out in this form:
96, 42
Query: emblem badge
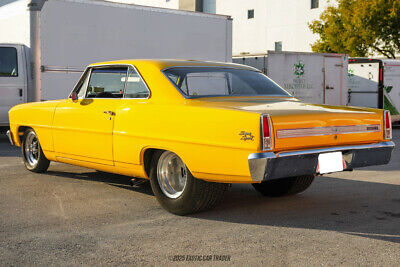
246, 136
299, 69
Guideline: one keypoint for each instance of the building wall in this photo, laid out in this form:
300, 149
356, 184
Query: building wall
274, 21
249, 35
288, 22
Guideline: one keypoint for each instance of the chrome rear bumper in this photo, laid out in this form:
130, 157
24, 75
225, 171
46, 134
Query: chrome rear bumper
9, 135
269, 165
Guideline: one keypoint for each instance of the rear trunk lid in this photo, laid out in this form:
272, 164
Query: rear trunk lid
298, 125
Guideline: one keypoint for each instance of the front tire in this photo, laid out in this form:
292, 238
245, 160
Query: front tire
177, 190
32, 153
284, 187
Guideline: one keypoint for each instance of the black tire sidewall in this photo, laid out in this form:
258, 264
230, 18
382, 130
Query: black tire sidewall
42, 163
182, 205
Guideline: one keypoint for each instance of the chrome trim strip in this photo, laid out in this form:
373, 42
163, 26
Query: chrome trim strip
223, 65
9, 135
330, 130
271, 155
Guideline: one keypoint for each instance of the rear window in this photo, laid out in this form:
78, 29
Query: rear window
217, 81
8, 62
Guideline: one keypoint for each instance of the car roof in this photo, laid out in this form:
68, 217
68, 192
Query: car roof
168, 63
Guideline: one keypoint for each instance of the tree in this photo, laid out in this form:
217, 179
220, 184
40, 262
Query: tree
359, 28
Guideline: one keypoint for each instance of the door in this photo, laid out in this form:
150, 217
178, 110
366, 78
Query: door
83, 128
13, 79
364, 84
333, 91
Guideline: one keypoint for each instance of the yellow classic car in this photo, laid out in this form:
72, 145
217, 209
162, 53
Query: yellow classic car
194, 127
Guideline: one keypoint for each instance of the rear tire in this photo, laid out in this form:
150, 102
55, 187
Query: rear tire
284, 187
32, 153
186, 194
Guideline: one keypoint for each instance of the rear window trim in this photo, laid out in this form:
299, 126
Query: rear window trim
163, 71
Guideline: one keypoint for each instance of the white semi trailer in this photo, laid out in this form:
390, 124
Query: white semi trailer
311, 77
46, 44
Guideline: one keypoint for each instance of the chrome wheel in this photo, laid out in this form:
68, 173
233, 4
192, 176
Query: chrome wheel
171, 174
31, 149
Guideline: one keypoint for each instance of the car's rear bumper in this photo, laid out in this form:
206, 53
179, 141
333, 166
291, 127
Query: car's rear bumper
269, 165
10, 138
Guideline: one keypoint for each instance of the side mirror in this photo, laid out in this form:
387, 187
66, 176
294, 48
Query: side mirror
74, 96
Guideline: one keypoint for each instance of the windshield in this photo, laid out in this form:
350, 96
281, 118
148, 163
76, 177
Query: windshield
217, 81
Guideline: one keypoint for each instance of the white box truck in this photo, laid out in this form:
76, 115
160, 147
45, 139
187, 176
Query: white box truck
311, 77
46, 44
374, 83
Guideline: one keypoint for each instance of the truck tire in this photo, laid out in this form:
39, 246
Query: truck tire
177, 190
32, 153
284, 187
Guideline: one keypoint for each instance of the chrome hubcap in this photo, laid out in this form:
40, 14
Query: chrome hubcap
32, 149
171, 175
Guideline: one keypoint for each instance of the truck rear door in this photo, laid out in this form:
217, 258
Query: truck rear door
363, 84
13, 81
334, 84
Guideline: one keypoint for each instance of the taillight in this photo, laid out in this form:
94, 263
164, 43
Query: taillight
266, 139
387, 125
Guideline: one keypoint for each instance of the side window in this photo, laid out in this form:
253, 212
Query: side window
107, 82
135, 86
8, 62
81, 89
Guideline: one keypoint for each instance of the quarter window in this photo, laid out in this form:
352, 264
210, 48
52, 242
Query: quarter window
84, 83
107, 83
8, 62
135, 86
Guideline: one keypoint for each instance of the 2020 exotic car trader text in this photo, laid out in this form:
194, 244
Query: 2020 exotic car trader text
193, 127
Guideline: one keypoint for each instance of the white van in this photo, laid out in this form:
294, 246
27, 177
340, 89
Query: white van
13, 78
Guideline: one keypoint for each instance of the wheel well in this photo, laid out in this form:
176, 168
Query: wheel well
21, 130
147, 156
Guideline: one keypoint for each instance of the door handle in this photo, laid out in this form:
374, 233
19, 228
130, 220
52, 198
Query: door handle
109, 112
20, 92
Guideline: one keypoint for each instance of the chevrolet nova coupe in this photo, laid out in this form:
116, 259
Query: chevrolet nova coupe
193, 127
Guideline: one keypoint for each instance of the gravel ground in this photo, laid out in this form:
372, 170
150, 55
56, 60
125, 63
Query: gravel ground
73, 216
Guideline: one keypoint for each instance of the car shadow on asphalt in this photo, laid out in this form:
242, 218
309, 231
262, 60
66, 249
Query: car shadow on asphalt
116, 180
365, 209
352, 207
7, 150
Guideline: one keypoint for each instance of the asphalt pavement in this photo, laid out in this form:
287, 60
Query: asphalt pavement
76, 216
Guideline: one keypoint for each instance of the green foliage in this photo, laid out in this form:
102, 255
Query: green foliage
359, 28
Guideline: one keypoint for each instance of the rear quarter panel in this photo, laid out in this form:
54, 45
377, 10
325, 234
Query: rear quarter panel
207, 139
